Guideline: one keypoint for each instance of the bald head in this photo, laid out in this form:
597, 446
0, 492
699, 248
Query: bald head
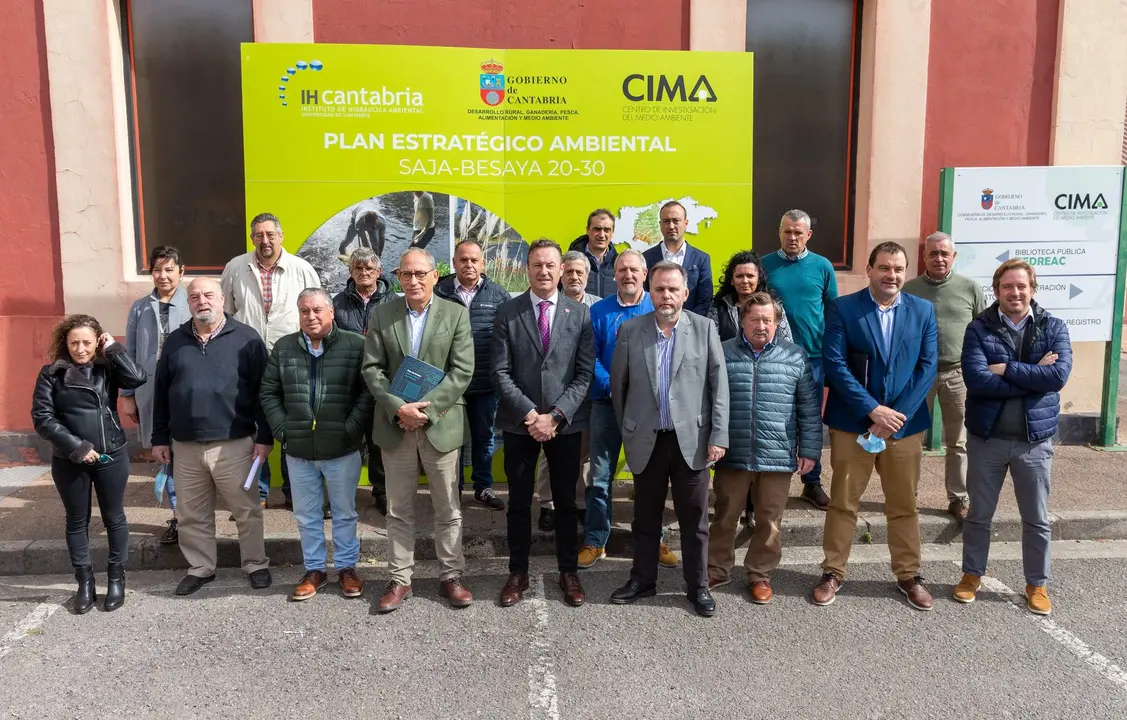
205, 300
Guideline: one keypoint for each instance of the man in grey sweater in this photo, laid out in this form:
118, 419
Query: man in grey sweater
957, 300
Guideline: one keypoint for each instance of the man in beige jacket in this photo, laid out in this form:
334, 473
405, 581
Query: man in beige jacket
261, 289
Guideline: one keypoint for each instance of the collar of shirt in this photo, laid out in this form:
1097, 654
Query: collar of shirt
1019, 325
895, 303
593, 256
315, 352
472, 289
536, 299
661, 335
752, 348
420, 313
210, 337
618, 299
677, 257
279, 264
782, 253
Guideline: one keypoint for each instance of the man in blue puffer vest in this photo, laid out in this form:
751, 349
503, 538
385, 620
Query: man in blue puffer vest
1016, 358
774, 429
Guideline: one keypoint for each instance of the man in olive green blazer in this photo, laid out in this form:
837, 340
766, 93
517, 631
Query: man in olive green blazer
432, 429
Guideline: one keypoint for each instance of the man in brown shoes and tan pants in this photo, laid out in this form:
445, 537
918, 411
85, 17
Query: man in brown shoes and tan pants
771, 396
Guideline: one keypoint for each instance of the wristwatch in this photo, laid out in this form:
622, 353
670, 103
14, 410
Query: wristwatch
558, 416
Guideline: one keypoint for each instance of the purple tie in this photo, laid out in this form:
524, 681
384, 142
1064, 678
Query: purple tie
542, 323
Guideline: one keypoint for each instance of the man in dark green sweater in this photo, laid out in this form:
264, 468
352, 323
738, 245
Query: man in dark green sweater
806, 285
957, 300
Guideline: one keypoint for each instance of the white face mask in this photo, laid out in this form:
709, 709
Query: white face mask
871, 443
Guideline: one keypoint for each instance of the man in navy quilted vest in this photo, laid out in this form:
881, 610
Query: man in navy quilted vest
1016, 359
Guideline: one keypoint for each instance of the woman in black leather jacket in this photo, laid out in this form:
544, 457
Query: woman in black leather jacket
75, 409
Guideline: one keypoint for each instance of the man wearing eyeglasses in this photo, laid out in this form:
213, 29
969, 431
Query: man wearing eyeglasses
430, 429
261, 289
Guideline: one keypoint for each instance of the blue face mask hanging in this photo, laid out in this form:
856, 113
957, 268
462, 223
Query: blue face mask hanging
871, 443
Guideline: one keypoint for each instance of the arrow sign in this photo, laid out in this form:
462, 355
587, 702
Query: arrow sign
1003, 257
1073, 291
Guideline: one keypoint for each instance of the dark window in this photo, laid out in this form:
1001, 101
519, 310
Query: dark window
806, 60
183, 75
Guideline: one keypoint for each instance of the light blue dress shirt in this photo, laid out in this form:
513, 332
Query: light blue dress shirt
664, 375
887, 317
417, 322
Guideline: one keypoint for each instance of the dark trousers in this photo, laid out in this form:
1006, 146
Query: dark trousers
482, 411
376, 474
814, 477
690, 501
74, 482
562, 453
264, 480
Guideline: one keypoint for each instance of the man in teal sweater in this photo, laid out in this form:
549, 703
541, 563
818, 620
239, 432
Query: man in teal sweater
957, 300
806, 285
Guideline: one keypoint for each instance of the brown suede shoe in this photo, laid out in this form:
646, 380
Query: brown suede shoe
456, 592
572, 589
917, 594
313, 581
394, 596
761, 592
514, 589
825, 592
351, 586
958, 508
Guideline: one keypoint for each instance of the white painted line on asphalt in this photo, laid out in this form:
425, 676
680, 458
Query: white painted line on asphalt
1105, 667
28, 625
543, 701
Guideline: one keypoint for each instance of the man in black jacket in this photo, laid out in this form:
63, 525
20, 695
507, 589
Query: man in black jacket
481, 296
598, 246
206, 409
351, 309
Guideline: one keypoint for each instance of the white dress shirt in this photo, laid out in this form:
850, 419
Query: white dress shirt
677, 257
536, 300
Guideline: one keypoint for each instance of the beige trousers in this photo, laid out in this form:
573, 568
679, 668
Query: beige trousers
952, 394
765, 549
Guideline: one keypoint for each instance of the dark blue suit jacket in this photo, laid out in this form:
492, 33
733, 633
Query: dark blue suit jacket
900, 379
699, 268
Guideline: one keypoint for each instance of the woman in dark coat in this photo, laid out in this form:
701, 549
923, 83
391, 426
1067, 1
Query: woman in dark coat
743, 275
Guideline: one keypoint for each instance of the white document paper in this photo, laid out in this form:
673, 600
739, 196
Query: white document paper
252, 476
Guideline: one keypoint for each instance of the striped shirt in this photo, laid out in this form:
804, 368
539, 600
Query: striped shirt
664, 373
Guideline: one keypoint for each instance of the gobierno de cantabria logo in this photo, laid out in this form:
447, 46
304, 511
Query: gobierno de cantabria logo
492, 82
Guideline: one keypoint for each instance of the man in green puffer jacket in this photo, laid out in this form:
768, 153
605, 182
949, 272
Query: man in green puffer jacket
775, 429
319, 408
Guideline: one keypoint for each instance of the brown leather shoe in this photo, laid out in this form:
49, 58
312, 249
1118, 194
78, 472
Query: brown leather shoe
958, 508
313, 581
715, 581
572, 589
761, 592
351, 585
394, 596
825, 592
514, 588
456, 592
917, 594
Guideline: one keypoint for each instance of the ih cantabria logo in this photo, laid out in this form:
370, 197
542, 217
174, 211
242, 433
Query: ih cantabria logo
492, 82
299, 66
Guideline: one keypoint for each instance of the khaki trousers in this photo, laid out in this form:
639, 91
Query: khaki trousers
202, 471
899, 470
401, 467
952, 394
544, 482
765, 549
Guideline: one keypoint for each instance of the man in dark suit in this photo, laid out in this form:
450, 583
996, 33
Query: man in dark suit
674, 248
543, 361
669, 387
880, 355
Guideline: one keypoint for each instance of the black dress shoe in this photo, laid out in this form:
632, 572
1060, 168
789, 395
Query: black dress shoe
702, 602
380, 499
86, 596
192, 583
632, 591
260, 579
547, 519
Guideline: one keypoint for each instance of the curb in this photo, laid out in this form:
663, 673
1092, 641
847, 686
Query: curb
49, 557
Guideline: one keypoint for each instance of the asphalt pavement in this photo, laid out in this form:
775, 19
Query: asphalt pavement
232, 652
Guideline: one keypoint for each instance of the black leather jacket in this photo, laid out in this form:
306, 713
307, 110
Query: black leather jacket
77, 414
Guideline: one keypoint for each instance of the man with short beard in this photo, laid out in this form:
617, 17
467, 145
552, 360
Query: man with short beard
597, 245
210, 372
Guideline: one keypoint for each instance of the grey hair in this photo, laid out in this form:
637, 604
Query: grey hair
665, 265
939, 236
763, 299
315, 292
797, 216
574, 256
266, 217
421, 251
364, 255
630, 251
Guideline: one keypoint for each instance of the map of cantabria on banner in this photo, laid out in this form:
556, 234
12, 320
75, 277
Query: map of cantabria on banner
342, 141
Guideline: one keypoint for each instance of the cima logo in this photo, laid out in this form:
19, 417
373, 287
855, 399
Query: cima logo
492, 83
299, 66
987, 198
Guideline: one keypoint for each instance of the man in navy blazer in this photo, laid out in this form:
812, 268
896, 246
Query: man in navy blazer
880, 354
675, 248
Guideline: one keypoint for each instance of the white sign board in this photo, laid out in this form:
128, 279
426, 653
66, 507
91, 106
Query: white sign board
1064, 221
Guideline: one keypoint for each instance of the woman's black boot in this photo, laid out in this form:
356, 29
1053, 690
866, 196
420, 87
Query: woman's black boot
86, 596
115, 589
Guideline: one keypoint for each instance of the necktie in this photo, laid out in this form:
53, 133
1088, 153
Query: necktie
542, 323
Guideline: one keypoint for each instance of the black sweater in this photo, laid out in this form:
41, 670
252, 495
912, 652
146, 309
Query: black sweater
204, 394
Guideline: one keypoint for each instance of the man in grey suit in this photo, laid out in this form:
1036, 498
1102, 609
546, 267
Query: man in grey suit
543, 361
669, 388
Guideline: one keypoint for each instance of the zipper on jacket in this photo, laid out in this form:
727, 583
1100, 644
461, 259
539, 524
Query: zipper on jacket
101, 411
754, 398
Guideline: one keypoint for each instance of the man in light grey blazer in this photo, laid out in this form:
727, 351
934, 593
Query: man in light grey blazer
669, 388
543, 361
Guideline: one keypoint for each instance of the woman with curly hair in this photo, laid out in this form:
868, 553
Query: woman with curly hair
75, 409
743, 275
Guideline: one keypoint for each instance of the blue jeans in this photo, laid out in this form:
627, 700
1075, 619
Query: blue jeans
341, 476
482, 412
605, 447
264, 480
814, 477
